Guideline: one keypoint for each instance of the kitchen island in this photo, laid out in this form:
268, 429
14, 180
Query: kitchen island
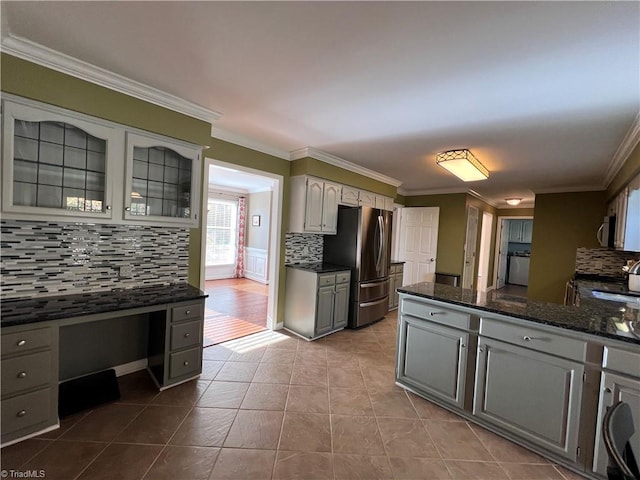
537, 373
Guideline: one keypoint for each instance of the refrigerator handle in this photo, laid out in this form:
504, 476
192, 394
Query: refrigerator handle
381, 242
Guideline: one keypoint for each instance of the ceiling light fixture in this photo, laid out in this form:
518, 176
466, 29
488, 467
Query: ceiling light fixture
462, 164
513, 201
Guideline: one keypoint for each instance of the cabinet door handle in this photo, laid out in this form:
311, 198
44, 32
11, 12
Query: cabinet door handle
127, 209
481, 349
608, 390
22, 375
463, 345
21, 343
188, 312
186, 363
108, 207
527, 338
21, 413
187, 335
433, 314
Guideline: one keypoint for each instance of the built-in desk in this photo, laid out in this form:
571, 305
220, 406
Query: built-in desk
43, 337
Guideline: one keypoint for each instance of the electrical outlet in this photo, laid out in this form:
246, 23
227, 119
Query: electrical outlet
598, 264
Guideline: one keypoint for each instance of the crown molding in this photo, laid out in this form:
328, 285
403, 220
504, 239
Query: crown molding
432, 191
247, 142
629, 142
339, 162
574, 189
46, 57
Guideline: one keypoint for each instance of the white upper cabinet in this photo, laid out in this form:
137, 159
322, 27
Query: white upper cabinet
161, 182
349, 196
330, 201
314, 205
367, 199
57, 163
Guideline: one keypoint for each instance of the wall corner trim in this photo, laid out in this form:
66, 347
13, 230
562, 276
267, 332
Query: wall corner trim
629, 142
49, 58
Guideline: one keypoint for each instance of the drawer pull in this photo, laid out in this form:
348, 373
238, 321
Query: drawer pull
21, 343
22, 374
188, 312
608, 390
187, 335
527, 338
21, 413
186, 363
433, 314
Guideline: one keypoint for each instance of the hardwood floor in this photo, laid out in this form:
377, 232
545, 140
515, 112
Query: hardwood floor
515, 290
236, 307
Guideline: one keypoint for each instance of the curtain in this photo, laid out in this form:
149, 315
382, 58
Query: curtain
242, 213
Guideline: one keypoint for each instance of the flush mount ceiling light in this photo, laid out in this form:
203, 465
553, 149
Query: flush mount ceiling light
463, 165
513, 201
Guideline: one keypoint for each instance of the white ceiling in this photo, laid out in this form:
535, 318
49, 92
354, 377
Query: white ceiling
237, 181
543, 93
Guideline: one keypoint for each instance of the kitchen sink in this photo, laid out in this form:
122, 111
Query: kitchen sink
616, 297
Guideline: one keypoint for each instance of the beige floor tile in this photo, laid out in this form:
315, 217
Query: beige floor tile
303, 465
255, 429
308, 374
253, 355
312, 356
216, 352
337, 357
274, 355
308, 399
223, 394
14, 456
392, 404
185, 395
284, 341
210, 369
237, 372
192, 463
63, 460
505, 451
528, 471
265, 396
568, 474
205, 427
349, 401
430, 411
361, 467
121, 461
307, 432
461, 470
380, 380
406, 438
407, 468
356, 434
347, 377
274, 372
243, 464
155, 424
105, 423
456, 441
367, 346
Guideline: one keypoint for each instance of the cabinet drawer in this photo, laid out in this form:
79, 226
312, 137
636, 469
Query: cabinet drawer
185, 334
25, 371
622, 361
25, 410
343, 277
183, 363
436, 314
535, 339
393, 269
324, 280
19, 342
186, 312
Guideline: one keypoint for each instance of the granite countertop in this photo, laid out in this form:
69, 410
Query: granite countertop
22, 311
593, 316
319, 267
396, 262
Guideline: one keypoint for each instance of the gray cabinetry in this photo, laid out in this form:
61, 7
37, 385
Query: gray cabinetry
29, 381
396, 271
432, 359
529, 393
314, 205
520, 231
316, 303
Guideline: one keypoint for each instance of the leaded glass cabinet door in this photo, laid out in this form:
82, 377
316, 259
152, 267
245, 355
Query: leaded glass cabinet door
162, 180
56, 164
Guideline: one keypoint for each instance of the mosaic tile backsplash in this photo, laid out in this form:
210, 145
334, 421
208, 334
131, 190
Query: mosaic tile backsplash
303, 248
603, 261
45, 258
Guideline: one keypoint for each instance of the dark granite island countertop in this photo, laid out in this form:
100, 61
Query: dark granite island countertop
597, 317
22, 311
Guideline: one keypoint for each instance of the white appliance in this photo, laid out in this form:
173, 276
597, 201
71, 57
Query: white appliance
519, 270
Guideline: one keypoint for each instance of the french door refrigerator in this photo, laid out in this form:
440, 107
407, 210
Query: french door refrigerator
363, 243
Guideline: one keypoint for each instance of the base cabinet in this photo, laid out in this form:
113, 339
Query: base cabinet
531, 394
396, 271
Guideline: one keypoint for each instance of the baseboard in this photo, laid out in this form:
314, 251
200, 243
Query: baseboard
131, 367
256, 278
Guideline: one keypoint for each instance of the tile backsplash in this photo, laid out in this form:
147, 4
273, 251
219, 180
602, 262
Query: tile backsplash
603, 261
303, 248
47, 258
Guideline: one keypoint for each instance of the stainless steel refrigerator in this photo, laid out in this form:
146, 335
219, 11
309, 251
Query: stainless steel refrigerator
363, 243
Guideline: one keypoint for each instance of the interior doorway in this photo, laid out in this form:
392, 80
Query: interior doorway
239, 250
512, 257
469, 266
485, 251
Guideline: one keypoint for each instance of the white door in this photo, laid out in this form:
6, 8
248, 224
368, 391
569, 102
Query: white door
418, 242
470, 248
485, 251
503, 241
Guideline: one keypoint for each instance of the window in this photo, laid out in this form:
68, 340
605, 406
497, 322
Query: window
222, 228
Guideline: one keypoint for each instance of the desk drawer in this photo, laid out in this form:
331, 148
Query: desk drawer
25, 371
343, 277
25, 410
324, 280
19, 342
186, 312
436, 314
535, 339
185, 334
183, 363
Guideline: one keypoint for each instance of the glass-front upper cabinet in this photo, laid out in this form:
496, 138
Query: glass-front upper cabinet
55, 164
161, 180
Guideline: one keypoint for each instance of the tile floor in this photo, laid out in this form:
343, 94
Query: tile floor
273, 406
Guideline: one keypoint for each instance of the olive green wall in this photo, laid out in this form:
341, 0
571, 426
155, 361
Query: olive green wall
452, 227
629, 170
317, 168
562, 223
